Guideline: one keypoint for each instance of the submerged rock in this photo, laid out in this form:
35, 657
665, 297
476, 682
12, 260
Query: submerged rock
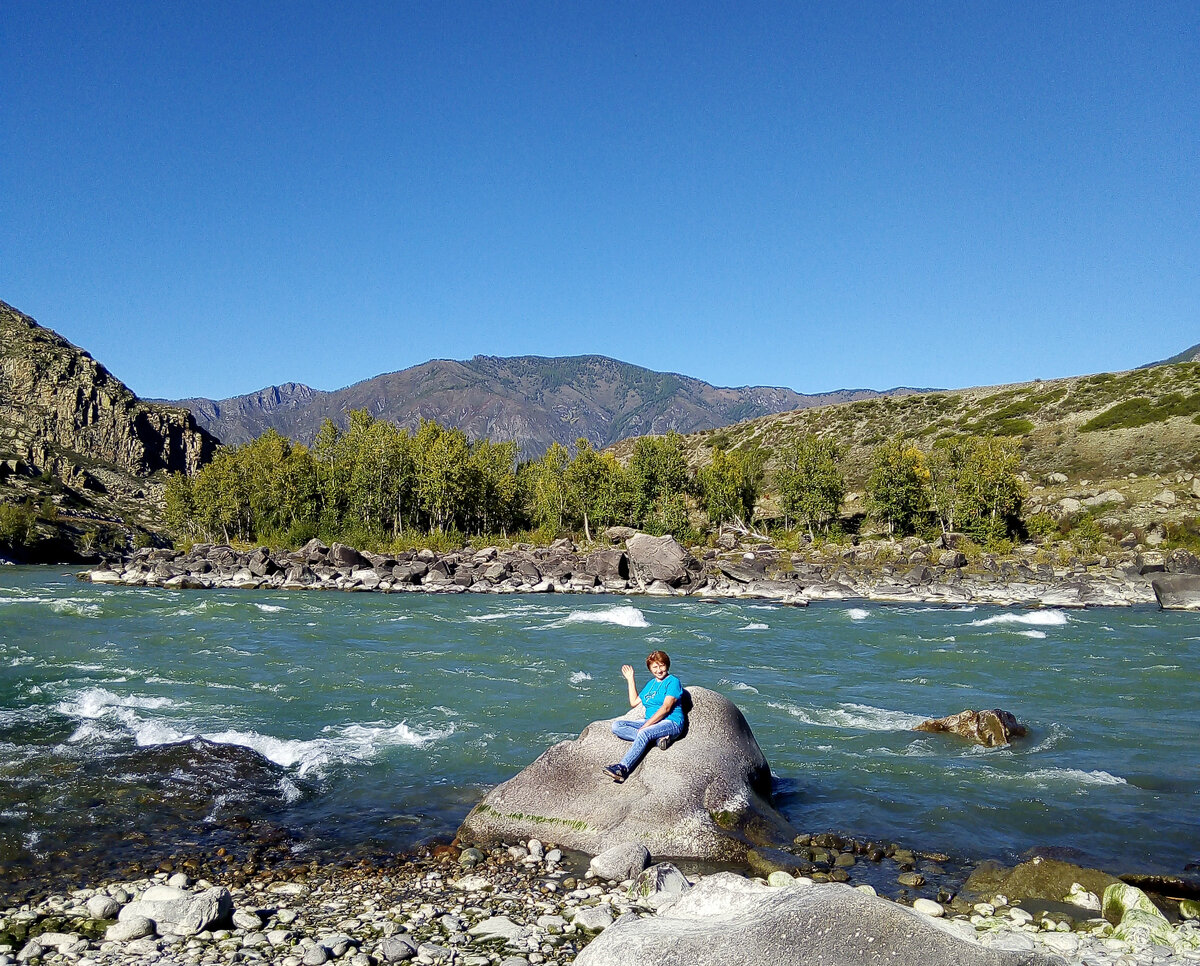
707, 796
989, 728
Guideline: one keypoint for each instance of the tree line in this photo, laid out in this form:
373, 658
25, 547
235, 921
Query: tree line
374, 484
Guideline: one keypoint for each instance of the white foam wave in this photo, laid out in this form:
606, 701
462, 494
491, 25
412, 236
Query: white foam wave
75, 607
578, 677
623, 616
858, 614
743, 686
861, 717
1076, 776
1034, 634
99, 702
270, 608
1043, 618
756, 627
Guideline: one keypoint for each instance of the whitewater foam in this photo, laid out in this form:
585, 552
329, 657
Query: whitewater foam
858, 614
623, 616
578, 677
756, 627
1043, 618
1076, 776
861, 717
75, 607
1037, 635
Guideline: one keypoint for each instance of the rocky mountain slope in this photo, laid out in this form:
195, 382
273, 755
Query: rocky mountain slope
1187, 355
531, 399
76, 444
1143, 421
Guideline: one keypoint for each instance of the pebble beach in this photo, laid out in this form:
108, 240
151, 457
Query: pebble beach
521, 905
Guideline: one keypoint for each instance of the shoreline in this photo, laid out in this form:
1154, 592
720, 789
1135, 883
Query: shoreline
511, 905
760, 573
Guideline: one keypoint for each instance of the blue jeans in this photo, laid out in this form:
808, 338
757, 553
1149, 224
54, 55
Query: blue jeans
642, 738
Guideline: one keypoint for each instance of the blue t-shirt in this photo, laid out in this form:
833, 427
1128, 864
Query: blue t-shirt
654, 693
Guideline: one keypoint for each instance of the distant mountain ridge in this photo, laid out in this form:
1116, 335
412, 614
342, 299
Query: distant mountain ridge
534, 400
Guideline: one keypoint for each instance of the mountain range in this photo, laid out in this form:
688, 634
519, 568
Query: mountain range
531, 399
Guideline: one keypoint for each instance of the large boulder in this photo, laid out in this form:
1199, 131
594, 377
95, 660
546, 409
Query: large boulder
608, 564
1037, 878
989, 728
1177, 591
725, 920
175, 912
660, 558
707, 796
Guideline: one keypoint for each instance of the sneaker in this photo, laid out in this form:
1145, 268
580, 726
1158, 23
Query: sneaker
664, 742
616, 772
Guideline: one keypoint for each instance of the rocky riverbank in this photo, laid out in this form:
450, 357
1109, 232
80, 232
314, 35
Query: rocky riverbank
906, 571
528, 904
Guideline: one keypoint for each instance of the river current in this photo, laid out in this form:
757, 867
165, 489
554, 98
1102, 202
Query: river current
133, 719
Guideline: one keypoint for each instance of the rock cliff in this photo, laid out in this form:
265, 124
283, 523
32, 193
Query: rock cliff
79, 451
62, 411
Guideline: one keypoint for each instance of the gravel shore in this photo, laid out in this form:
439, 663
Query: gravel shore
514, 906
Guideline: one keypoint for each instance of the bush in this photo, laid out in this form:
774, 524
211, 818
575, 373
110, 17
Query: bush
16, 525
1041, 525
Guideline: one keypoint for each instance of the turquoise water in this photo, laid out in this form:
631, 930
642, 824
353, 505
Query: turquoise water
362, 722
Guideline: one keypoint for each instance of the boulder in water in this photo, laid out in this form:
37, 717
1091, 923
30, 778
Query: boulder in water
725, 920
989, 728
707, 796
1177, 591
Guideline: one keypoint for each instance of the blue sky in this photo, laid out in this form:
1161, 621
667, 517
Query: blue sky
212, 198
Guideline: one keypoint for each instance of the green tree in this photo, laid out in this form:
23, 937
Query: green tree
729, 485
896, 493
809, 483
597, 487
441, 456
658, 471
492, 467
551, 494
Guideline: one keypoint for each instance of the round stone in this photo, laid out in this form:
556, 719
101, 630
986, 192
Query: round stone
929, 908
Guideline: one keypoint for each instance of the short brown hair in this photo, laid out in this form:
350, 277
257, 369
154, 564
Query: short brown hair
658, 657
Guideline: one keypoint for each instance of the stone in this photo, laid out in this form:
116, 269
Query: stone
179, 913
472, 883
1165, 498
130, 927
1177, 591
396, 949
658, 884
1038, 878
779, 878
103, 907
990, 728
1120, 898
496, 927
659, 558
621, 862
928, 907
725, 920
952, 558
1079, 896
1144, 928
707, 797
618, 534
608, 564
247, 919
593, 918
1069, 505
315, 956
1056, 478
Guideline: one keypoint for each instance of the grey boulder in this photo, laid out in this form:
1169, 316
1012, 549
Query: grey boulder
620, 862
706, 797
1177, 591
660, 558
179, 913
129, 928
726, 920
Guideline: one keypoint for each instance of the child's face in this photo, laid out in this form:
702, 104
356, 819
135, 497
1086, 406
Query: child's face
658, 669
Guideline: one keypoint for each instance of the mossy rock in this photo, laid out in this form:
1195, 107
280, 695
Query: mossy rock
1039, 878
1120, 899
1141, 927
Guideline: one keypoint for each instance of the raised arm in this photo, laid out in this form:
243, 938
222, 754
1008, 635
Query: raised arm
627, 674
